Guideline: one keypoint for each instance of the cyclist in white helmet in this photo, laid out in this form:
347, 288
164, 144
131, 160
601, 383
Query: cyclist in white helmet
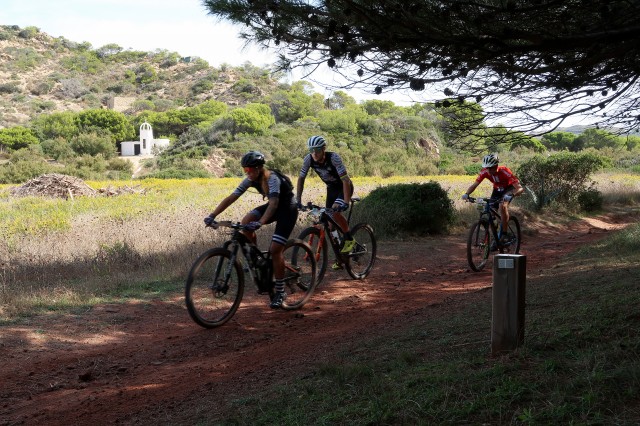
330, 168
505, 185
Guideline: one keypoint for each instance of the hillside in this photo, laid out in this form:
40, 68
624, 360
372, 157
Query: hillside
40, 73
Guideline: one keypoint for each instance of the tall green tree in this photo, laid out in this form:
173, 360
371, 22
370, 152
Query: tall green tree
522, 58
55, 125
295, 102
112, 121
17, 137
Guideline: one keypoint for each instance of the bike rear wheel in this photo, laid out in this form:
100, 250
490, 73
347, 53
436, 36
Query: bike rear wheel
319, 250
299, 274
512, 246
214, 288
360, 261
478, 245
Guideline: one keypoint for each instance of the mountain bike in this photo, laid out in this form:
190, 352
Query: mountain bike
215, 284
325, 232
485, 234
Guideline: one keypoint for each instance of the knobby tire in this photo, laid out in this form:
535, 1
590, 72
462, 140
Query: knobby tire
478, 245
319, 249
300, 274
360, 261
212, 298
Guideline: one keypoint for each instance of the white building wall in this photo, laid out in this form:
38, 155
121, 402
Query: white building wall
147, 144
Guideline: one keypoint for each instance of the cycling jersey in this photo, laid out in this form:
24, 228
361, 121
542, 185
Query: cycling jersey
331, 171
277, 187
285, 216
503, 178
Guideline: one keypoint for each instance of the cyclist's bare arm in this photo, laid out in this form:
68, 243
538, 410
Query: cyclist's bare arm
271, 209
472, 188
299, 189
346, 189
224, 204
518, 189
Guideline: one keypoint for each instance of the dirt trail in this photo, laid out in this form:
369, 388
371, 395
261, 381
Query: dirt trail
132, 363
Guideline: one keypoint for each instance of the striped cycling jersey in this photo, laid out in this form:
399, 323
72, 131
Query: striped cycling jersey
331, 171
275, 187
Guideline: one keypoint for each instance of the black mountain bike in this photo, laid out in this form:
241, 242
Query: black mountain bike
326, 232
483, 234
215, 284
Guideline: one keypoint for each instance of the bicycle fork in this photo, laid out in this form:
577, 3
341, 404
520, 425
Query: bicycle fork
220, 285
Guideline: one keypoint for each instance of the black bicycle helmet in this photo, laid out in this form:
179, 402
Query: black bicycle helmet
252, 159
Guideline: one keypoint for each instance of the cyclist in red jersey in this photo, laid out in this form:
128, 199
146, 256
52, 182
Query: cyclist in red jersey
505, 185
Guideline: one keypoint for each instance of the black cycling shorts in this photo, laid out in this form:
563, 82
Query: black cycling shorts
285, 218
335, 192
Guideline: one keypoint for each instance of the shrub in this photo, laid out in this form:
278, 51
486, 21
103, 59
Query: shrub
72, 88
24, 164
590, 200
29, 32
17, 137
172, 173
9, 88
120, 165
559, 177
58, 149
93, 144
406, 210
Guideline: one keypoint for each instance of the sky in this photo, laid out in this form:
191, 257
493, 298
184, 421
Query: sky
181, 26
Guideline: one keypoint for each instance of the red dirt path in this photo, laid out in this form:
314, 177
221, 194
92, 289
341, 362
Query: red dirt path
135, 363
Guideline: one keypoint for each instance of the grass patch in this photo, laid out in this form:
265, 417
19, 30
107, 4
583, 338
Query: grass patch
580, 363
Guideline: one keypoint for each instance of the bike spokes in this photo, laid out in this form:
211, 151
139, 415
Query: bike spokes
360, 260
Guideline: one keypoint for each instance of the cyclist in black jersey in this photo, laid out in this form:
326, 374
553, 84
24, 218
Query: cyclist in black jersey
281, 208
330, 168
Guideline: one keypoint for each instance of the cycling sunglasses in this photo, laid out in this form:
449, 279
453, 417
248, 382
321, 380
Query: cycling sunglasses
249, 169
317, 149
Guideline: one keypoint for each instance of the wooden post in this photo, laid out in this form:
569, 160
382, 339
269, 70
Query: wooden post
507, 319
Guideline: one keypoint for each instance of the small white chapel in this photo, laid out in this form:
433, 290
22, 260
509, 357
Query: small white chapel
147, 145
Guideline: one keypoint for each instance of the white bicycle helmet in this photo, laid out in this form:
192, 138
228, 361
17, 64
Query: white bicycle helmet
490, 160
316, 142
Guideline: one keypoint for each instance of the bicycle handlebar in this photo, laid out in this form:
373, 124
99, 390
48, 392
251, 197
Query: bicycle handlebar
310, 207
481, 200
226, 224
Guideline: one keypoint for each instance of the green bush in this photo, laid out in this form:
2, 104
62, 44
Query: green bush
172, 173
58, 149
9, 88
406, 210
590, 200
559, 177
94, 144
23, 165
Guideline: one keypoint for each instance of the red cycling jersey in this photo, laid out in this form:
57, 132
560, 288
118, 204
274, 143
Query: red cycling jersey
503, 178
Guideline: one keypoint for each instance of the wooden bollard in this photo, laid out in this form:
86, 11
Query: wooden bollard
508, 305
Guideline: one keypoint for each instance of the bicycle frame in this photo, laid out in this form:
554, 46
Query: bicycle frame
240, 241
490, 214
256, 260
324, 223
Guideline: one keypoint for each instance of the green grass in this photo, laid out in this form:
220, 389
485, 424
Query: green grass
579, 364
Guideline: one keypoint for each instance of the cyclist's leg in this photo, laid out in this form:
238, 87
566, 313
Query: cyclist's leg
285, 218
252, 216
504, 211
335, 195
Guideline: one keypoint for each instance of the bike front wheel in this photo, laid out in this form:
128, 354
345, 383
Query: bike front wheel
478, 245
361, 259
299, 273
214, 288
316, 240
